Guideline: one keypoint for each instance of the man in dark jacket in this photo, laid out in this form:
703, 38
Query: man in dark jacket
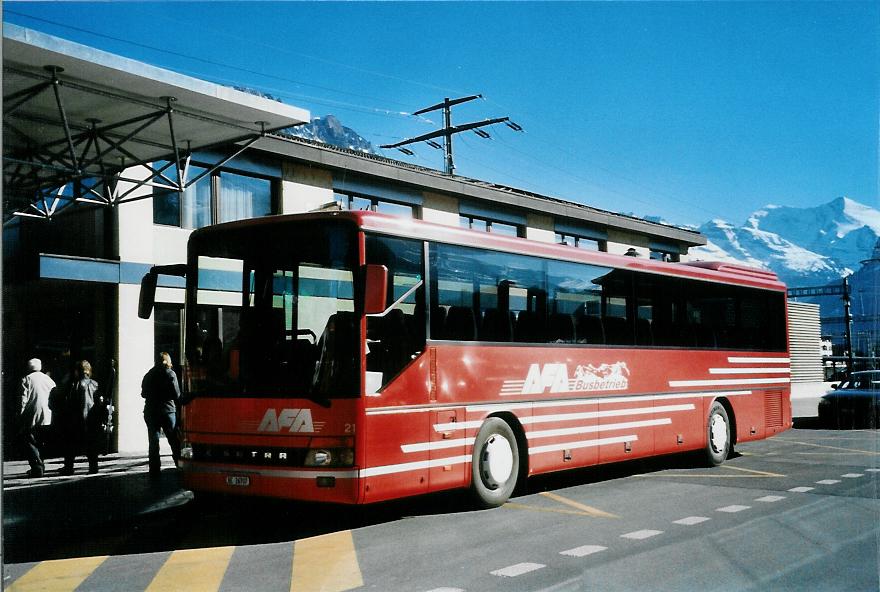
161, 391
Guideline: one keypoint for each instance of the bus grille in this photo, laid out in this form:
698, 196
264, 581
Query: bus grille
773, 409
250, 455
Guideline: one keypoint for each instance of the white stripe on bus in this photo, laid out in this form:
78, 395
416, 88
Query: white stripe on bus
227, 470
492, 407
582, 444
597, 428
743, 360
749, 370
414, 466
728, 382
446, 427
437, 445
534, 435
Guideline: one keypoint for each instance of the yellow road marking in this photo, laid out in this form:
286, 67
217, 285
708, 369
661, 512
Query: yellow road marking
192, 569
326, 563
515, 506
58, 576
588, 510
756, 472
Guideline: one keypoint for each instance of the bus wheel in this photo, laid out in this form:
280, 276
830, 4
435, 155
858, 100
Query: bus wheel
718, 432
495, 464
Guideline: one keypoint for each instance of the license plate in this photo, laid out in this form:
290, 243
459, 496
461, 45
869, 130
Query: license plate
238, 480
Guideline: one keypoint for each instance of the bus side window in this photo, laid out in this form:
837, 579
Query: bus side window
397, 337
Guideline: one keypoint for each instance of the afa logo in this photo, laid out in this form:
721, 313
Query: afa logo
555, 377
297, 420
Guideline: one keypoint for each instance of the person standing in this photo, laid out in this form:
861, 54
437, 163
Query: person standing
161, 390
83, 412
36, 388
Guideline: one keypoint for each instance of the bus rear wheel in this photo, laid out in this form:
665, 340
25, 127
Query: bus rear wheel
495, 465
718, 441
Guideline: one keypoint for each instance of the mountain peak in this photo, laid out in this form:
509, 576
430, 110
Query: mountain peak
804, 246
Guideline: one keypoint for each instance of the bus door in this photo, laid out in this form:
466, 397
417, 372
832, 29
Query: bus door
448, 448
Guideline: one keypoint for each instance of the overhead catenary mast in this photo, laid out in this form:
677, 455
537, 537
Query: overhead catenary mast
449, 130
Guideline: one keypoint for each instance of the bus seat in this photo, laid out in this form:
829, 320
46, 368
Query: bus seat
461, 324
561, 328
644, 334
617, 331
529, 328
438, 322
496, 326
589, 329
338, 359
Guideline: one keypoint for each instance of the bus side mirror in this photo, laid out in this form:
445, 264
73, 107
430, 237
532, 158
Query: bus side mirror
148, 286
148, 295
375, 288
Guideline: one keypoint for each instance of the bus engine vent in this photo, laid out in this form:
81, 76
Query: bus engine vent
773, 409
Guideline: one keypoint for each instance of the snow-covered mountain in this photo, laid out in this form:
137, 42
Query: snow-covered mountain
804, 246
330, 130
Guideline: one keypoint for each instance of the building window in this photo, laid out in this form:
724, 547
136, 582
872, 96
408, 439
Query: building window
219, 197
493, 226
353, 202
581, 242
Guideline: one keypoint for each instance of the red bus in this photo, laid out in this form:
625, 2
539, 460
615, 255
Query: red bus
354, 357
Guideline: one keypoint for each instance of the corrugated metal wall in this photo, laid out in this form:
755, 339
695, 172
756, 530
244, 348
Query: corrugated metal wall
804, 334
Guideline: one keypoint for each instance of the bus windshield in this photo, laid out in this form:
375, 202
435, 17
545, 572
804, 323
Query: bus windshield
271, 312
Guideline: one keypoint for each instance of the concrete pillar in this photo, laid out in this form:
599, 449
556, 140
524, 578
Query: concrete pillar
540, 228
136, 336
440, 209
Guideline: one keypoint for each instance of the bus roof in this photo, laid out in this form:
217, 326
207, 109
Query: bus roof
721, 272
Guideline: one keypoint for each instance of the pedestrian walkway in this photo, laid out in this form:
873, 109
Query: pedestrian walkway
122, 490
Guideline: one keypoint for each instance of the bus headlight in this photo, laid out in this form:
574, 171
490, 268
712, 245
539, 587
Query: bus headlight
186, 451
329, 457
319, 458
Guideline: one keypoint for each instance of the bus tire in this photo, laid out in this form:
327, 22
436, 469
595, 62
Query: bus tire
495, 464
718, 435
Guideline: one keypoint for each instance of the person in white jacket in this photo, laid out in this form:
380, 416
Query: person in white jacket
35, 413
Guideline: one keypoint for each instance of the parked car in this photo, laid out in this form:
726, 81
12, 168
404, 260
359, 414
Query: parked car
853, 403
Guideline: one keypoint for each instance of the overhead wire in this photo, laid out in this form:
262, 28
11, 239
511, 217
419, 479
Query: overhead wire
369, 110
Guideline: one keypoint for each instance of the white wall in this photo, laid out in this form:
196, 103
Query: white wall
304, 189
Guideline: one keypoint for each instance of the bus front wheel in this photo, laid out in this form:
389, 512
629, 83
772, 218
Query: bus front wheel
718, 441
495, 465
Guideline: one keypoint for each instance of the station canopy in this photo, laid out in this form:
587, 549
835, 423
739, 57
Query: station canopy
76, 119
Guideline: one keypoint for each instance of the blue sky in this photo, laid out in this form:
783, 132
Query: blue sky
688, 111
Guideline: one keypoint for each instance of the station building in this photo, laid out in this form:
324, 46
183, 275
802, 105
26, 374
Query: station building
91, 202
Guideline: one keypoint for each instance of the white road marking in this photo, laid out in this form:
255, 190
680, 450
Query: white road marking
641, 534
447, 590
801, 489
691, 520
873, 470
517, 570
583, 551
828, 482
770, 498
733, 509
853, 475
